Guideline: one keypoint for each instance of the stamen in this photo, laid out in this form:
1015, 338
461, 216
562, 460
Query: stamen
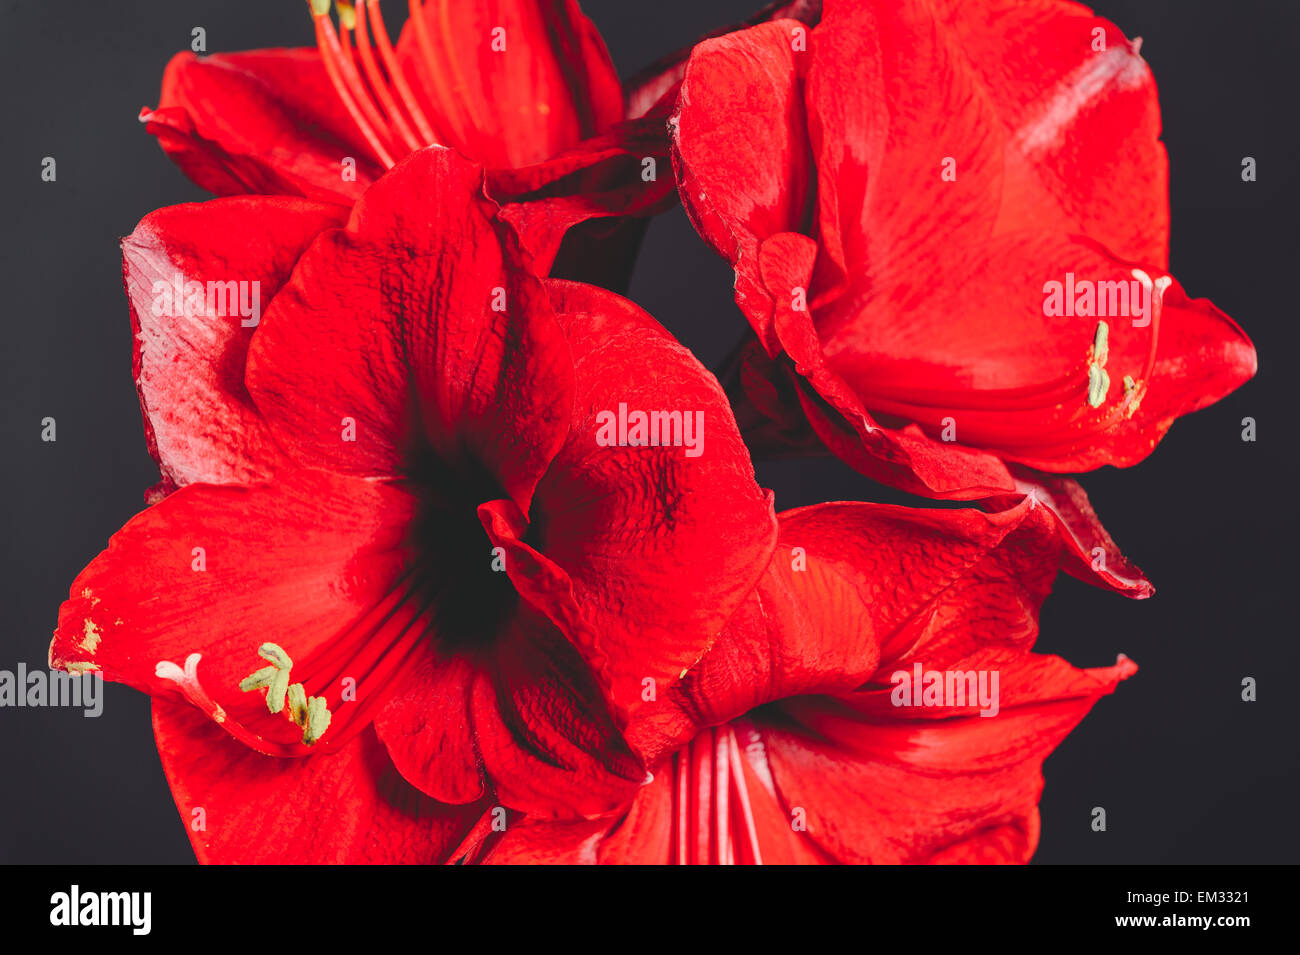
345, 37
1100, 344
310, 713
1133, 394
441, 94
298, 704
1031, 416
395, 74
1098, 385
343, 76
1098, 378
261, 678
377, 83
276, 656
318, 720
276, 693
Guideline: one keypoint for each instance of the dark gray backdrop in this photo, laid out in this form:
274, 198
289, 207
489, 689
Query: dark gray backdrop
1186, 770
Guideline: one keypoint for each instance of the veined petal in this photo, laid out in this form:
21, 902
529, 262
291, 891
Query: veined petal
413, 326
632, 525
348, 808
191, 340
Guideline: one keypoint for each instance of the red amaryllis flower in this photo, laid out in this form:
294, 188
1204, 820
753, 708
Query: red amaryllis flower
419, 540
524, 87
949, 226
804, 734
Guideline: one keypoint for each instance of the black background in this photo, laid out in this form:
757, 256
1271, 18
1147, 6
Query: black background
1186, 771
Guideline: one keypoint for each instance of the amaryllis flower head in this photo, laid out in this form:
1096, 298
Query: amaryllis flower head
875, 700
524, 87
389, 533
949, 225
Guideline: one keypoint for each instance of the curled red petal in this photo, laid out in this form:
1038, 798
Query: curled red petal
636, 527
263, 121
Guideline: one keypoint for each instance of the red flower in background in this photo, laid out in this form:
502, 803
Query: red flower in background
896, 189
414, 525
525, 88
787, 743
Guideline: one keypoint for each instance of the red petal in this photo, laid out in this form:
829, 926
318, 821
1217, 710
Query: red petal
660, 81
1005, 843
951, 349
200, 423
297, 563
1088, 551
425, 727
399, 305
891, 99
852, 587
552, 86
599, 178
350, 807
900, 784
905, 457
547, 740
1083, 124
660, 546
264, 121
741, 149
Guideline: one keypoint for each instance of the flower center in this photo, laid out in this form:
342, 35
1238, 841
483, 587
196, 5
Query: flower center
457, 575
453, 597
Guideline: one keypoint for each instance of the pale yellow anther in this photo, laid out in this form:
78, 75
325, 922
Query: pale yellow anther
279, 687
1100, 344
272, 653
347, 15
1098, 385
1133, 394
298, 704
1098, 379
255, 681
318, 720
319, 8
